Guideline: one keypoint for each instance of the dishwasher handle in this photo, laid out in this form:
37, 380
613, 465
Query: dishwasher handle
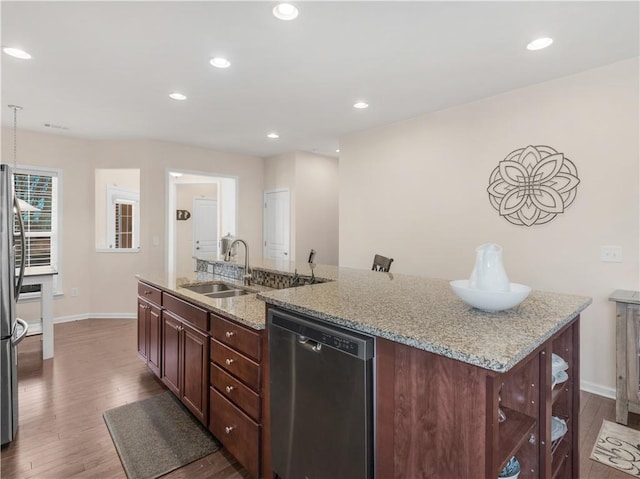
314, 346
317, 333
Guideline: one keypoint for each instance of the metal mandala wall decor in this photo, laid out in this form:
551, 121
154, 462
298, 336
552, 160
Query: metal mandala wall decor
533, 185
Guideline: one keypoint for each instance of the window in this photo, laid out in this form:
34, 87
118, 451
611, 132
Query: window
123, 230
39, 188
117, 210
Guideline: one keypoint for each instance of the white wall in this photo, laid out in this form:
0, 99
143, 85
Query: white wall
185, 195
416, 191
128, 179
312, 181
106, 281
280, 173
317, 207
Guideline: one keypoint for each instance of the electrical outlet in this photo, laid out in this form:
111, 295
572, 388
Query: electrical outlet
611, 254
74, 292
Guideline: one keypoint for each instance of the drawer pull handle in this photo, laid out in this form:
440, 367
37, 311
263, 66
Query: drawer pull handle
147, 292
228, 429
229, 389
228, 334
228, 361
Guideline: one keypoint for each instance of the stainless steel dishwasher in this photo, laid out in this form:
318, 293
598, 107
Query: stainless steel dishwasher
321, 396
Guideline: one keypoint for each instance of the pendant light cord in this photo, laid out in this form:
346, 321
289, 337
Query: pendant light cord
15, 109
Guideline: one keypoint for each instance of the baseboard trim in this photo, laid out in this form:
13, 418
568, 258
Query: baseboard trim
598, 389
35, 327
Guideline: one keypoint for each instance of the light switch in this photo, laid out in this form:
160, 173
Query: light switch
156, 241
611, 254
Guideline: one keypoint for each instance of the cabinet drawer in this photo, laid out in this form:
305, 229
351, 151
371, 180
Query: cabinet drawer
237, 432
149, 293
235, 363
188, 312
244, 340
235, 391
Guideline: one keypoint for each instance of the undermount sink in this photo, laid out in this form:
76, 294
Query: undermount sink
217, 289
228, 294
209, 287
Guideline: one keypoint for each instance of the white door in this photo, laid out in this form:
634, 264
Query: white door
276, 224
205, 226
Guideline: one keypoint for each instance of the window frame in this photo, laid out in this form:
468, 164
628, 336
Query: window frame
56, 222
117, 195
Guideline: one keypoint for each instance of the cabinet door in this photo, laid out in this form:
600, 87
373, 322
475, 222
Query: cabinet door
195, 371
171, 362
154, 334
142, 328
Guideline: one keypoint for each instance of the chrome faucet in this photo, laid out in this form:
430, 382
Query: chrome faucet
246, 278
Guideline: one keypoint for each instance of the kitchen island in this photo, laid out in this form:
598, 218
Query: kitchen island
442, 369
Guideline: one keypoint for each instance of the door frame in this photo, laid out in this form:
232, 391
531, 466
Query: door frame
170, 243
195, 220
264, 220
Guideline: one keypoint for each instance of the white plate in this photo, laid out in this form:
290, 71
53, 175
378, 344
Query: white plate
558, 364
558, 428
559, 378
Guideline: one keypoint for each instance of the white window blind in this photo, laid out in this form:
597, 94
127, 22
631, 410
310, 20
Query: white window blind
39, 189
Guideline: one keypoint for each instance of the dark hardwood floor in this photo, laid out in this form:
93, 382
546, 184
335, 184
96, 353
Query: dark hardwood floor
62, 433
61, 401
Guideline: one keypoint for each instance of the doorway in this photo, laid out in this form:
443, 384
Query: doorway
183, 189
205, 227
277, 225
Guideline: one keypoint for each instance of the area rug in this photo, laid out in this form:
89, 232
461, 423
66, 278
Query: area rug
157, 435
619, 447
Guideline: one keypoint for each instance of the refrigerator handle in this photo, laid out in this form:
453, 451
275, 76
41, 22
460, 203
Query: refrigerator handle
16, 205
25, 327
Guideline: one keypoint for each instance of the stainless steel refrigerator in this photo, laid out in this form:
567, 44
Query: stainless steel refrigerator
12, 329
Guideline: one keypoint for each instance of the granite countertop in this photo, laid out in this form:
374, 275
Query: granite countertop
420, 312
425, 313
247, 309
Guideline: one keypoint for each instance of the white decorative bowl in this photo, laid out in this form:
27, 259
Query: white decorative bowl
490, 301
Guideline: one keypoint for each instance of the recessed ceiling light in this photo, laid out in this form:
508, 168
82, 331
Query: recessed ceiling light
338, 150
177, 96
16, 52
273, 135
220, 62
360, 105
285, 11
540, 43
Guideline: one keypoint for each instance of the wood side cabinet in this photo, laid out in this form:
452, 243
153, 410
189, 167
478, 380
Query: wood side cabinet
185, 355
437, 417
150, 326
627, 353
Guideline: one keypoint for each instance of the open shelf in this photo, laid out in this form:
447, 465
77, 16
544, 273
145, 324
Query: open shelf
514, 431
560, 454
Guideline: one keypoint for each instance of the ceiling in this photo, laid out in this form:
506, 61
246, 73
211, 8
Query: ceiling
103, 70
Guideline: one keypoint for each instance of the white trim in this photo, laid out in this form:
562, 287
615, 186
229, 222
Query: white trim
118, 250
170, 207
115, 195
58, 254
264, 219
35, 327
598, 389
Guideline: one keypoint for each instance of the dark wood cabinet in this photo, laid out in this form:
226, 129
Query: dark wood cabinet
150, 326
185, 358
171, 352
235, 390
438, 417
